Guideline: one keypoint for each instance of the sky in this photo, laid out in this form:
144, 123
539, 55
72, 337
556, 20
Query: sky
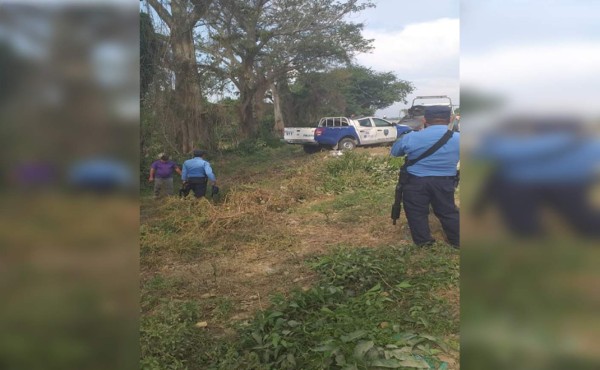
416, 40
540, 56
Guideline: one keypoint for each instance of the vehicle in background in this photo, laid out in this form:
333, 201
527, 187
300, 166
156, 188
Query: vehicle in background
414, 117
304, 136
343, 133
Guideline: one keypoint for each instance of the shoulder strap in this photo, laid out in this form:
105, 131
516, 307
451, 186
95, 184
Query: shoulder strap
443, 140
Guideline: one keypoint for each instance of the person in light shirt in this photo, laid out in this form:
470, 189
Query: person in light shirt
196, 173
431, 181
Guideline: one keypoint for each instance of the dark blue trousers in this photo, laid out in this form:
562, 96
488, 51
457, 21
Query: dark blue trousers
195, 184
438, 192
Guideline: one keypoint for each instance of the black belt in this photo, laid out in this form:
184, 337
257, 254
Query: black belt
411, 176
197, 180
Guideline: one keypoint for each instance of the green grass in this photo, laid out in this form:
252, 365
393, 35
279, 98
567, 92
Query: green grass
372, 306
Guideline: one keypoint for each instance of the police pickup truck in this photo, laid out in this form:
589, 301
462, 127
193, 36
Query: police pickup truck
304, 136
342, 133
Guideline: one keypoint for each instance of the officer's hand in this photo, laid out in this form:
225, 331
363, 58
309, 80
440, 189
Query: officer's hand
150, 179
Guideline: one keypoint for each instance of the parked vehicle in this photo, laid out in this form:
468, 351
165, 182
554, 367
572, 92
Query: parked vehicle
414, 116
344, 133
304, 136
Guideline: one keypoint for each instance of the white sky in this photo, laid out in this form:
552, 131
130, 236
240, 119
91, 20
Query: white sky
419, 42
538, 55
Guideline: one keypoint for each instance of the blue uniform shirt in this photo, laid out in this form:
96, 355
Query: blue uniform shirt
544, 158
441, 163
197, 167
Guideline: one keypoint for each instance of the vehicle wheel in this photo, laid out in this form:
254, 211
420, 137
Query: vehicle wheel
346, 144
311, 149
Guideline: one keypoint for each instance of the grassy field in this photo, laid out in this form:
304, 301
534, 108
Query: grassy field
295, 266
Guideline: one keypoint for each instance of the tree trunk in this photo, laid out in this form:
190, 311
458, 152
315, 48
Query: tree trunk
187, 84
279, 122
286, 104
259, 102
187, 91
248, 124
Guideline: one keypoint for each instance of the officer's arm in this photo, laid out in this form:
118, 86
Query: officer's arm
398, 147
209, 173
177, 169
152, 171
184, 173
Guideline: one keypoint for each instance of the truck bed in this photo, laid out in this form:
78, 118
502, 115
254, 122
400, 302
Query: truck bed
300, 135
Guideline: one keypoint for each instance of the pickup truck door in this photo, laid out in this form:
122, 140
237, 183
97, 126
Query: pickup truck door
366, 131
385, 132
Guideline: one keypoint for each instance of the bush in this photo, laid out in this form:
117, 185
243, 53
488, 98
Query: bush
354, 171
357, 316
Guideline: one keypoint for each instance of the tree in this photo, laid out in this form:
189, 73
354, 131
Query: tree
367, 90
345, 91
148, 53
181, 17
258, 44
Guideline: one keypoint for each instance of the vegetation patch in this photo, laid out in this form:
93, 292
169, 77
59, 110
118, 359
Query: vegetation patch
295, 266
372, 308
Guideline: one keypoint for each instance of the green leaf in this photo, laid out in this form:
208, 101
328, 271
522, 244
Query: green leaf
362, 348
257, 338
415, 363
353, 336
325, 309
403, 337
400, 353
376, 288
404, 284
443, 366
389, 363
437, 341
275, 314
325, 347
291, 359
293, 323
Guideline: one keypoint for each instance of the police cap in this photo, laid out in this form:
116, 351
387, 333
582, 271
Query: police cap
437, 112
199, 153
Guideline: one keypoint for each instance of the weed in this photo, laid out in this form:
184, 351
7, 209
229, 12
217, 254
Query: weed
354, 318
372, 307
169, 338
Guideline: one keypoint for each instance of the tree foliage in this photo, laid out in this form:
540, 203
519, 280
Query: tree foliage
148, 53
344, 91
367, 90
255, 43
297, 53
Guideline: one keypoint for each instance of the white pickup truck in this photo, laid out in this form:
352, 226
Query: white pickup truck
344, 133
304, 136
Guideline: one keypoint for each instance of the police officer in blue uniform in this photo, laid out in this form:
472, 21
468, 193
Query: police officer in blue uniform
196, 173
430, 181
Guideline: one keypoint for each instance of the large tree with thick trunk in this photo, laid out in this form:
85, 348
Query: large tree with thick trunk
259, 44
181, 17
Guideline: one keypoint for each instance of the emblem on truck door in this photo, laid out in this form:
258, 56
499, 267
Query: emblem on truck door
386, 132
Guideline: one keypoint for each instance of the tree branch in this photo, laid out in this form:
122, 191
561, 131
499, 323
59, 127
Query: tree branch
200, 9
162, 12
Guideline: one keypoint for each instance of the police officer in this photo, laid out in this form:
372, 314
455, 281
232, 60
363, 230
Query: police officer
195, 174
431, 181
